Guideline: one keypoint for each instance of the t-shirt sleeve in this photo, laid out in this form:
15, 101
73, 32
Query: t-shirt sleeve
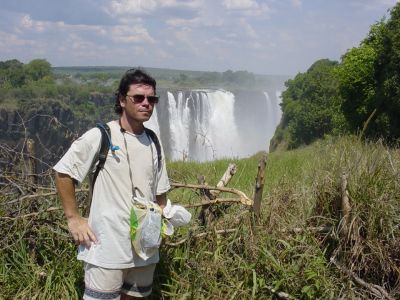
78, 160
163, 185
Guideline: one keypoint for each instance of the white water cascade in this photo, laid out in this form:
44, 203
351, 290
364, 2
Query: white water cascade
153, 122
273, 113
208, 124
202, 125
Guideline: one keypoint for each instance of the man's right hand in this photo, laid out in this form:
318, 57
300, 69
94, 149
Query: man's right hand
80, 231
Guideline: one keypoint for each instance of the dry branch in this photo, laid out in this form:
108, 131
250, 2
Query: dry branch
319, 229
215, 201
345, 207
203, 234
31, 214
31, 163
38, 195
243, 198
205, 216
377, 290
259, 186
230, 171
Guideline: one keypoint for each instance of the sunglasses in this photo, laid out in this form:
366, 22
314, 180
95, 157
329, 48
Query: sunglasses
140, 98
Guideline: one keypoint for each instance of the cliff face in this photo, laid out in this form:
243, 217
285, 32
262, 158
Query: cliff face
52, 124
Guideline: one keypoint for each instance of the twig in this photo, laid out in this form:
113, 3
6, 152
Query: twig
215, 201
33, 196
345, 207
319, 229
200, 235
367, 123
373, 288
31, 214
16, 185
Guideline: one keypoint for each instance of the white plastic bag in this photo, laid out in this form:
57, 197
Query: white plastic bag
145, 227
176, 214
151, 232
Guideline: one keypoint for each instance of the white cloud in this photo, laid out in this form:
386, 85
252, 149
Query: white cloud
195, 22
27, 23
8, 40
372, 4
241, 4
146, 7
246, 7
134, 7
125, 33
182, 3
249, 31
296, 3
131, 34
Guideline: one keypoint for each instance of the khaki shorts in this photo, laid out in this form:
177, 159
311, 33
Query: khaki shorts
101, 283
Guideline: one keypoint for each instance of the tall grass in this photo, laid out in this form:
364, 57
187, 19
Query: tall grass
302, 190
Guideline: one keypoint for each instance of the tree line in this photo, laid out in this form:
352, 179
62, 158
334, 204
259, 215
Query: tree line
358, 95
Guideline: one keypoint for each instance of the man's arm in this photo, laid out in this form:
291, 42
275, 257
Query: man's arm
162, 200
78, 226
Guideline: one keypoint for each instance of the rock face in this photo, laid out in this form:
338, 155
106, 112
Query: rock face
52, 124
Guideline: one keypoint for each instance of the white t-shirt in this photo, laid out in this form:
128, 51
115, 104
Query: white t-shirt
109, 216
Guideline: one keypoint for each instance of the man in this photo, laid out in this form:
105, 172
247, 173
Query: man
112, 268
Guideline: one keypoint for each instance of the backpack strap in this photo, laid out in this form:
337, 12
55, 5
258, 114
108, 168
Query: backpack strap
102, 157
156, 141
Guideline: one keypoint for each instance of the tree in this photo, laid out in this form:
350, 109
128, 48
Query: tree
310, 106
38, 69
12, 73
369, 80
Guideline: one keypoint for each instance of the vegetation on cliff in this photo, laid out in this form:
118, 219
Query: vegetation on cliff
359, 94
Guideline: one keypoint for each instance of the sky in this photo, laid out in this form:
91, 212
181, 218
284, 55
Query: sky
261, 36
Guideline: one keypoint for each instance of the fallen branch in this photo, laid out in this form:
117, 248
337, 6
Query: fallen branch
33, 196
243, 198
319, 229
230, 171
203, 234
377, 290
215, 201
31, 214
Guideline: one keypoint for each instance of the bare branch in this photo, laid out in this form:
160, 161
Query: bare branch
243, 198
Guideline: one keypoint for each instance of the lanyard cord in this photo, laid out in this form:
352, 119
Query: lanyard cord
129, 162
129, 166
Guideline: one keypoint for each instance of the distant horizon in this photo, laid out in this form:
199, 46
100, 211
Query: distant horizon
171, 69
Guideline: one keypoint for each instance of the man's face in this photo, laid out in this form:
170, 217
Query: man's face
132, 108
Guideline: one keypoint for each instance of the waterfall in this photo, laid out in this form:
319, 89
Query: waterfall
273, 113
153, 122
179, 126
209, 124
278, 95
202, 125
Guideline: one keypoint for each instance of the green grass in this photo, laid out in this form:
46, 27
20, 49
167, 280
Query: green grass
302, 188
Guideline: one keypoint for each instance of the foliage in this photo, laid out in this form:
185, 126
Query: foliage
310, 105
369, 79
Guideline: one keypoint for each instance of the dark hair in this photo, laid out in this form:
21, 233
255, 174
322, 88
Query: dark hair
132, 76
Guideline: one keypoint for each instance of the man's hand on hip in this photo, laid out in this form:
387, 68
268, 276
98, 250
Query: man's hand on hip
80, 231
